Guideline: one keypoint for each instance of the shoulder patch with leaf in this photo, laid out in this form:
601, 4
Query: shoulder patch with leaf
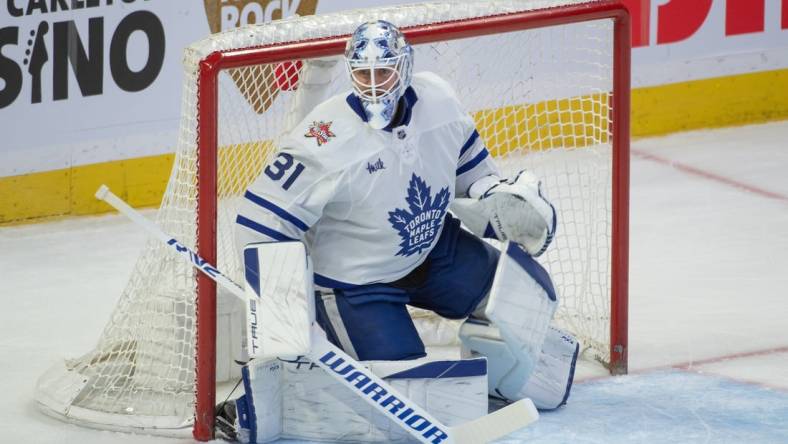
421, 221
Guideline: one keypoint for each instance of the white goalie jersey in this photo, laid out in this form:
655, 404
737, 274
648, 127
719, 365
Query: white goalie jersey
368, 203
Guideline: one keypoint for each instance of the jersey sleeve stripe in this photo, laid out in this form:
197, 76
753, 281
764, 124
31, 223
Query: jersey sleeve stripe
469, 143
279, 211
270, 232
469, 165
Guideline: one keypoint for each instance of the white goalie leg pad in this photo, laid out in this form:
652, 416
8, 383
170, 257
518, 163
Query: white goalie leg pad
480, 338
522, 301
307, 404
550, 381
454, 391
259, 416
521, 304
317, 407
314, 406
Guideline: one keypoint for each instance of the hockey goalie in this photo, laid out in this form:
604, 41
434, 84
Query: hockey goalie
392, 191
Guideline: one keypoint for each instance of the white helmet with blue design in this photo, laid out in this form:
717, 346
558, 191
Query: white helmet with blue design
380, 62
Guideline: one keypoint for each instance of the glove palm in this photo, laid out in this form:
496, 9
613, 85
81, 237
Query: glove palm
513, 209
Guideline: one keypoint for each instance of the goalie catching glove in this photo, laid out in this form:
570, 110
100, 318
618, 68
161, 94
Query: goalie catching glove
511, 209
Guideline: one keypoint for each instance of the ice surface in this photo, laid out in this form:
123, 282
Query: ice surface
664, 407
708, 280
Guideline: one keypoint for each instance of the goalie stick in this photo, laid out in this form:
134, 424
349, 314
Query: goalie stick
352, 374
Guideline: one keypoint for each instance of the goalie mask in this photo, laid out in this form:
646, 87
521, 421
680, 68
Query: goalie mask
380, 63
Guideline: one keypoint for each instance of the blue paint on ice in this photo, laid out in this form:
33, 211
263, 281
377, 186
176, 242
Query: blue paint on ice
664, 407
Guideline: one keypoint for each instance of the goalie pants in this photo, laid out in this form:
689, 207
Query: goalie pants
371, 322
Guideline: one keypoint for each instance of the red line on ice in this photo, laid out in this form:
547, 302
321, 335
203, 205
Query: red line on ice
688, 365
697, 367
743, 380
711, 176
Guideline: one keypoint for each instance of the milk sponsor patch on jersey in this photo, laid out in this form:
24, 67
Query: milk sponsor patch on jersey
419, 226
377, 166
321, 131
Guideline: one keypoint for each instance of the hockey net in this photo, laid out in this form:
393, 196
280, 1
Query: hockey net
547, 84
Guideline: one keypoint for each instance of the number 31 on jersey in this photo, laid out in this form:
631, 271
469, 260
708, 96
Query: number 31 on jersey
281, 167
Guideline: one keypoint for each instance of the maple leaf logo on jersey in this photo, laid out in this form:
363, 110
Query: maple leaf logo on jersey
419, 226
321, 131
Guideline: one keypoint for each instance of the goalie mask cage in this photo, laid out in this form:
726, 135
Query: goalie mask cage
547, 82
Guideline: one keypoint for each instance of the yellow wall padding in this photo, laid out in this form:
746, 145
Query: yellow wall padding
710, 103
139, 181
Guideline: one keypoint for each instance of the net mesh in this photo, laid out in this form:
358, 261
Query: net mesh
540, 99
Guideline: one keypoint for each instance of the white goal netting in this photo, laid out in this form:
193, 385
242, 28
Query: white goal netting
541, 99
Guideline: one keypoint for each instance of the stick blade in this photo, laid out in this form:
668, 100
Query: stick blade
496, 425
